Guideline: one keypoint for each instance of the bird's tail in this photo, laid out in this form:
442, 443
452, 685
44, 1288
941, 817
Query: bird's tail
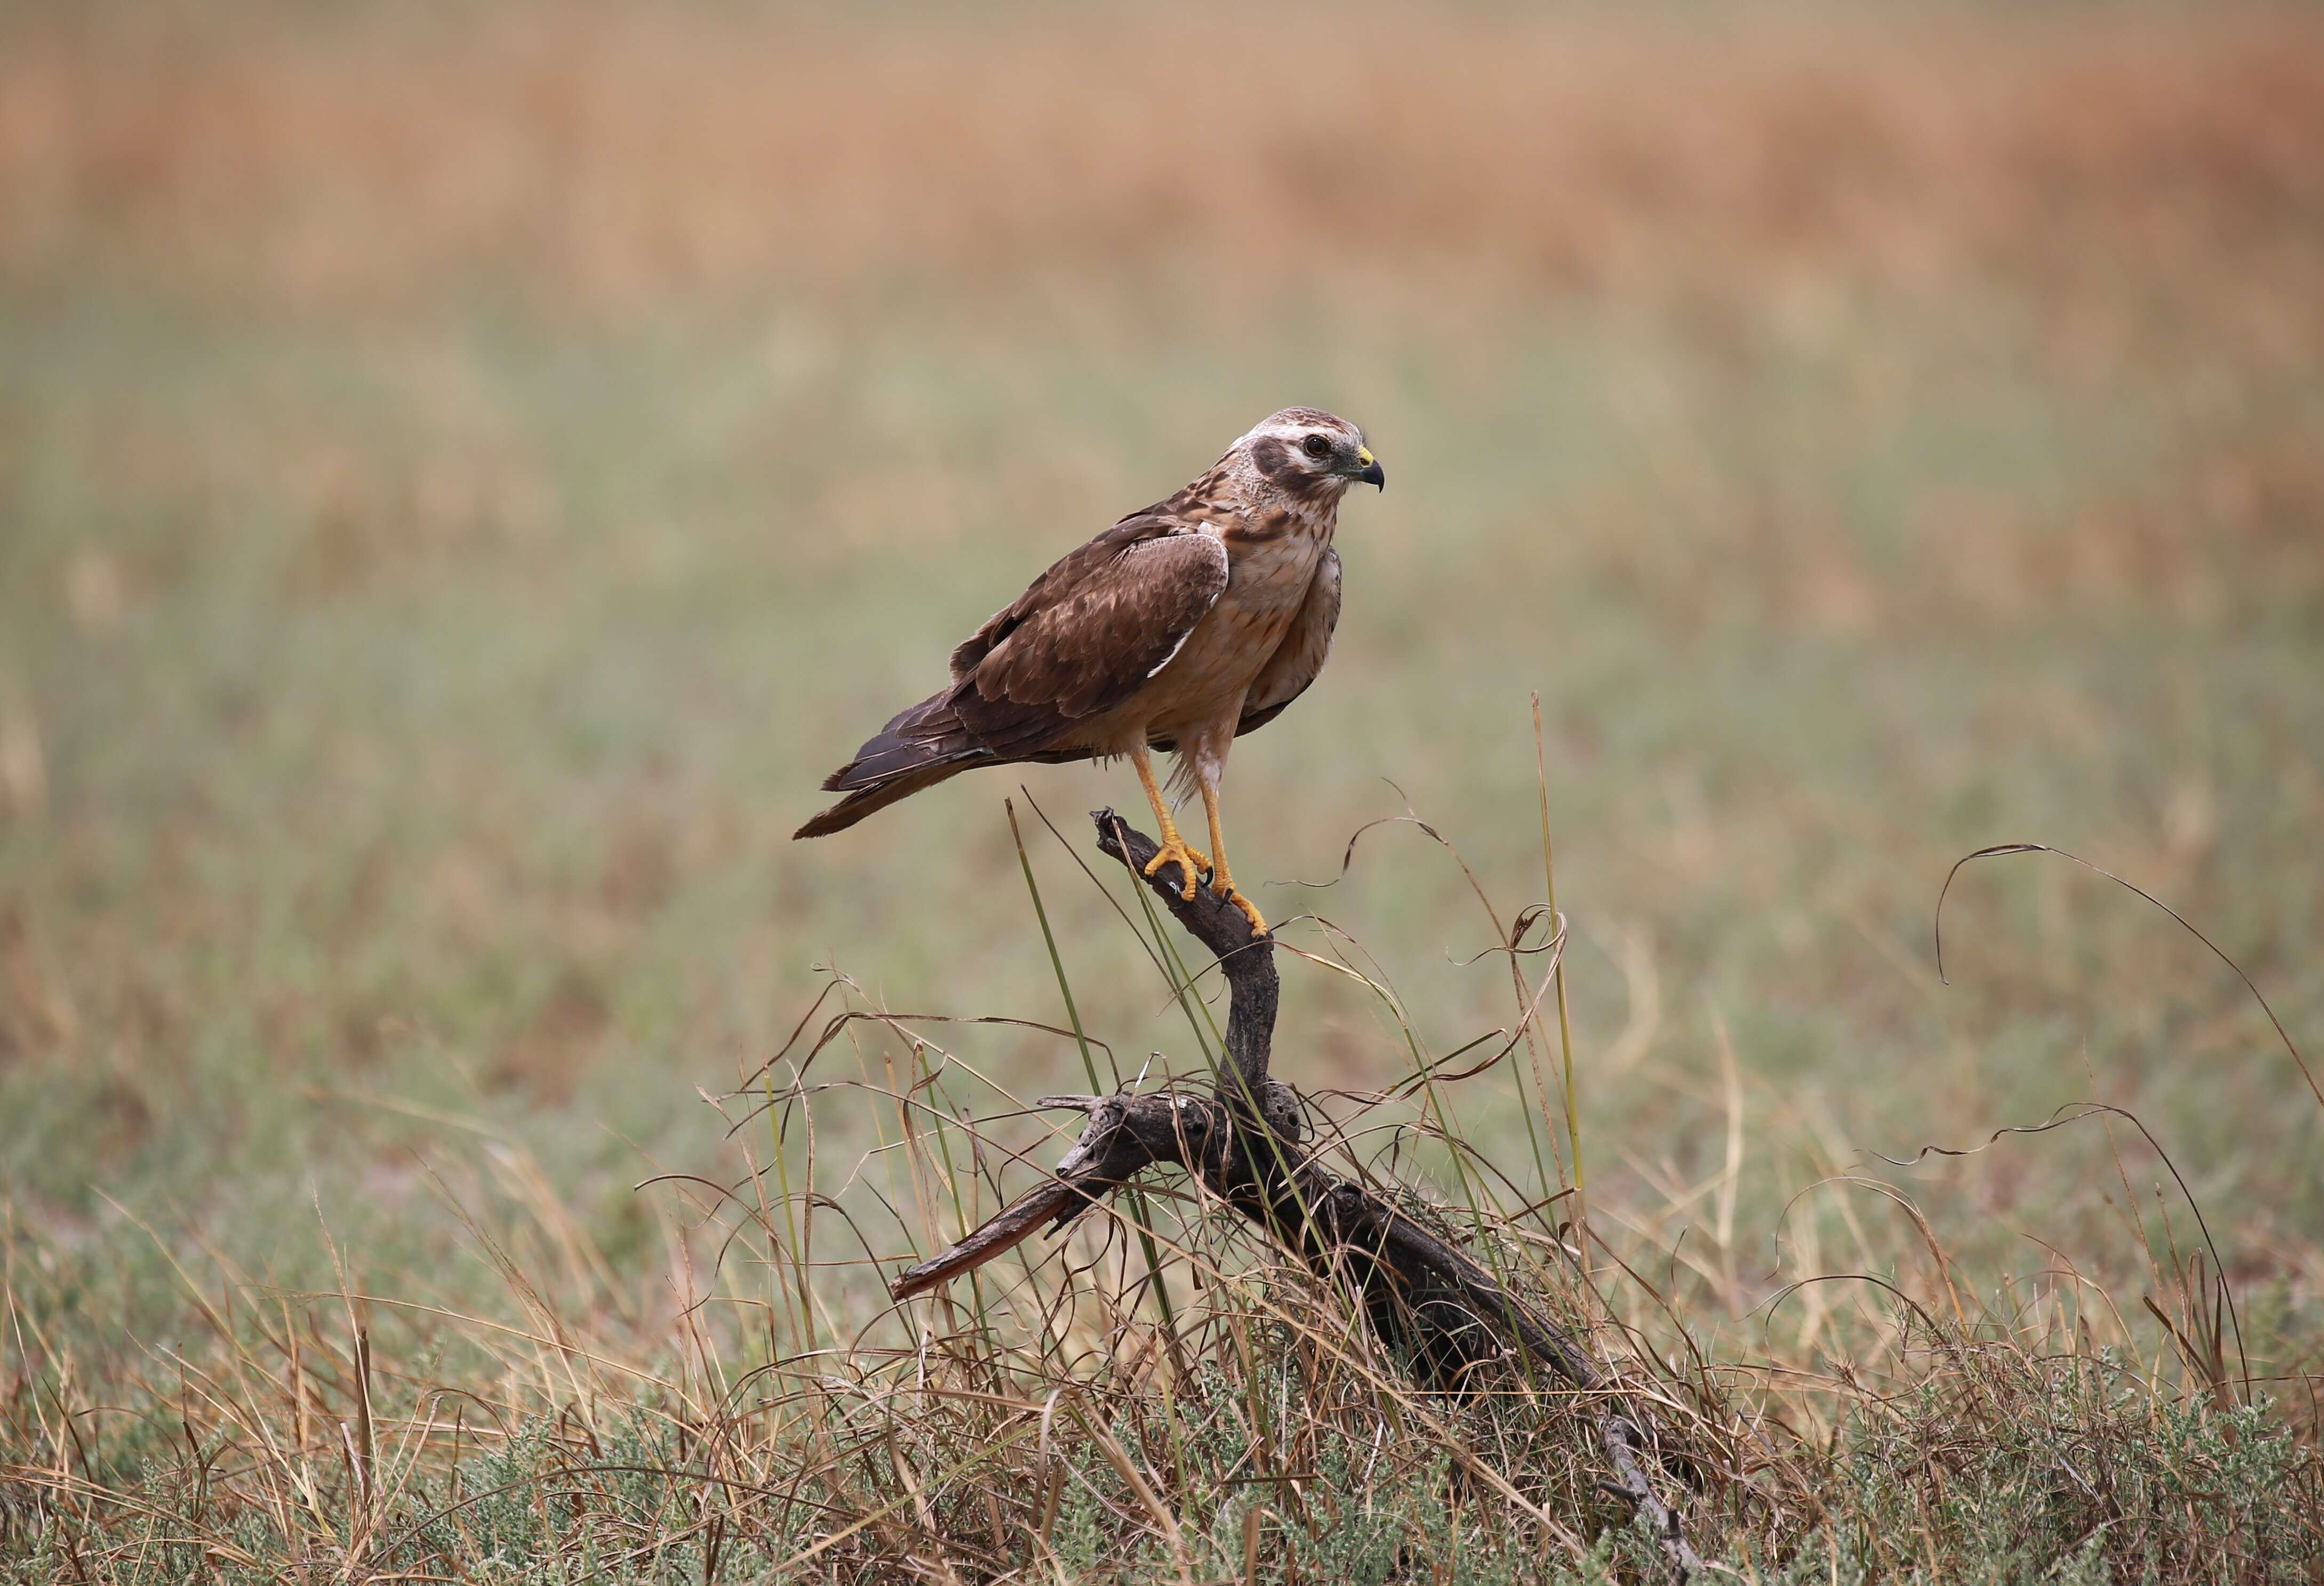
920, 748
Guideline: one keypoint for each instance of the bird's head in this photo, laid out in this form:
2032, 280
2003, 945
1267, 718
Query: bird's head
1308, 455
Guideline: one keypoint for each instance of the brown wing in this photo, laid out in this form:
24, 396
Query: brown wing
1087, 633
1306, 645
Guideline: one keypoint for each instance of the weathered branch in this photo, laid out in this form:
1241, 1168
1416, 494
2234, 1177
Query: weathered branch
1125, 1134
1244, 1144
1246, 957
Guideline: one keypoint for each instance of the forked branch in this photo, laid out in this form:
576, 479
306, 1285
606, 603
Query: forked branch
1244, 1143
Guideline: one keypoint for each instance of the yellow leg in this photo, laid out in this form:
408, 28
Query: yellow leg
1222, 879
1192, 861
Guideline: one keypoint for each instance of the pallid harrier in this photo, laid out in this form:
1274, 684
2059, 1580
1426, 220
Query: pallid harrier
1179, 628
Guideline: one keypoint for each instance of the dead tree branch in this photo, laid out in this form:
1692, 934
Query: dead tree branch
1245, 1145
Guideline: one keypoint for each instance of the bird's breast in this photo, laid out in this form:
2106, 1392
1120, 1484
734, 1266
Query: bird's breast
1201, 687
1266, 583
1271, 573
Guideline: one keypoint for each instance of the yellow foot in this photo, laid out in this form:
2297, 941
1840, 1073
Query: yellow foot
1194, 861
1222, 886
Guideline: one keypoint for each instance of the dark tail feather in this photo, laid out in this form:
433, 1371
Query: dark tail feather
920, 748
863, 801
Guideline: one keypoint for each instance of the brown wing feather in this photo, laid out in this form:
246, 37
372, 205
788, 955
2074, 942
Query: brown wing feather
1081, 640
1087, 633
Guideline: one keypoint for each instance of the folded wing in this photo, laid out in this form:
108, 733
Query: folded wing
1087, 633
1083, 637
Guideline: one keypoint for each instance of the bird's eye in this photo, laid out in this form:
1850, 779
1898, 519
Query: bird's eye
1317, 447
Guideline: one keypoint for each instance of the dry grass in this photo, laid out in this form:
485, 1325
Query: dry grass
1138, 1400
464, 474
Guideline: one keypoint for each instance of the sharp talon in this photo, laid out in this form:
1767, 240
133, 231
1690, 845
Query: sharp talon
1192, 862
1250, 912
1222, 886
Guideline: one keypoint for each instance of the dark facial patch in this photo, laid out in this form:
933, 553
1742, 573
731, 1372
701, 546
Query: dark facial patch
1272, 458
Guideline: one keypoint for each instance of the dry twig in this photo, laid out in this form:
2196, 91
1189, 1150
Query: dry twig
1244, 1143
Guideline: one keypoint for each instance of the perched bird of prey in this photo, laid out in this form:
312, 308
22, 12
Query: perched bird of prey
1180, 628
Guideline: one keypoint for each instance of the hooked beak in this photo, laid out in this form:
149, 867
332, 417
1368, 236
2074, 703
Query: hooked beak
1371, 473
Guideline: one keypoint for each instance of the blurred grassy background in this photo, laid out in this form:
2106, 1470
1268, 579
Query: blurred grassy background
466, 473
